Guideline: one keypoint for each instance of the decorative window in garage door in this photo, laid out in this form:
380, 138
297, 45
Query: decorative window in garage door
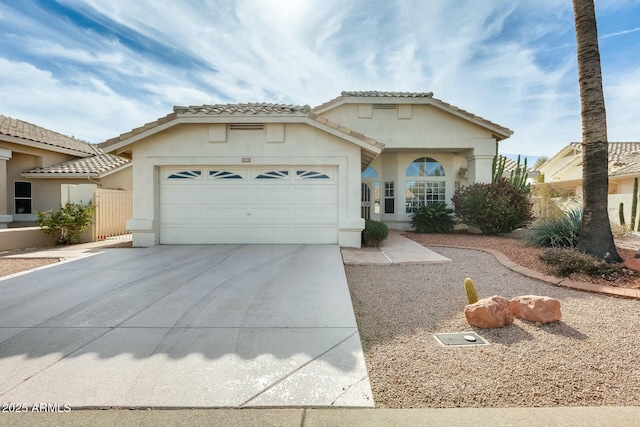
185, 175
309, 174
273, 175
224, 175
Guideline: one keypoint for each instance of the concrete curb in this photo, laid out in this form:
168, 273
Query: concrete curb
558, 281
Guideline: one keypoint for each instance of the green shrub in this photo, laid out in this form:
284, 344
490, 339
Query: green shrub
493, 208
374, 233
433, 218
67, 223
559, 232
564, 262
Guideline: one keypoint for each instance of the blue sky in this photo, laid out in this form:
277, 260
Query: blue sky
96, 68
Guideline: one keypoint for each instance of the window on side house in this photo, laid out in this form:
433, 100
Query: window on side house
425, 185
22, 197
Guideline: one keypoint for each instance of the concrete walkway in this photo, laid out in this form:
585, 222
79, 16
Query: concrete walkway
396, 249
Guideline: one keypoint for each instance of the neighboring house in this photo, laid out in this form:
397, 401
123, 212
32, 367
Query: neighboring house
565, 168
35, 161
272, 173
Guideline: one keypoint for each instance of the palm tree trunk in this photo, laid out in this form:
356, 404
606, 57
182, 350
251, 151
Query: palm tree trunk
595, 237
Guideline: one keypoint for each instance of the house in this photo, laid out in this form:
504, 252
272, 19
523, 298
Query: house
565, 167
273, 173
35, 161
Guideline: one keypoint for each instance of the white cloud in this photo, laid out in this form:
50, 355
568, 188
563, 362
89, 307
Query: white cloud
496, 59
88, 110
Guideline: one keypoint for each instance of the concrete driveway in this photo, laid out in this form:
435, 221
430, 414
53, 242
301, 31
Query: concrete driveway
184, 326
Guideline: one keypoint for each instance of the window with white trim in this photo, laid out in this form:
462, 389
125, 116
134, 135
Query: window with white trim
389, 201
425, 187
22, 198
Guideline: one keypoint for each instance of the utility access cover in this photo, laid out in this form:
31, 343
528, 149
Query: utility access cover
460, 339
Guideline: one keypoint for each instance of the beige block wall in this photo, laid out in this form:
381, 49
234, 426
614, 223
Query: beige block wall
22, 238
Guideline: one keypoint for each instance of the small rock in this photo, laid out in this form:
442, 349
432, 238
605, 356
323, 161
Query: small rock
633, 264
637, 254
536, 309
492, 312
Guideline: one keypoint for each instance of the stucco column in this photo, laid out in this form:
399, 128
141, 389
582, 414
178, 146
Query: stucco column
5, 218
479, 164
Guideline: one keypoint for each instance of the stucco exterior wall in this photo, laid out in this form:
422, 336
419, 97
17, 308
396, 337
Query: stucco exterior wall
188, 144
392, 167
428, 126
423, 127
120, 180
24, 158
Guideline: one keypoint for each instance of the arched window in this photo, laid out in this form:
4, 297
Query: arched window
425, 166
369, 172
424, 187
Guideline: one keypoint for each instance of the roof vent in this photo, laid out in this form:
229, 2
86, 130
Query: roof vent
246, 126
385, 106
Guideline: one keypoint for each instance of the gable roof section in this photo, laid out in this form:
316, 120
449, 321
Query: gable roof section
243, 113
420, 98
95, 166
21, 132
624, 158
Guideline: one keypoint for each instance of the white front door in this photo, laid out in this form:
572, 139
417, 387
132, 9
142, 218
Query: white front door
225, 204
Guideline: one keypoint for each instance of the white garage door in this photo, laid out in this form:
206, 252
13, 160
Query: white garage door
207, 205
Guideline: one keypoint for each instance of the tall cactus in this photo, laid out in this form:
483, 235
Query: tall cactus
621, 213
470, 289
518, 176
634, 204
497, 167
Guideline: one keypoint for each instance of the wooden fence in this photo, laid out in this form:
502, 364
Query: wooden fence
113, 209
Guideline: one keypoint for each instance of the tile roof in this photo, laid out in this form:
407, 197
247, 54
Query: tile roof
374, 94
244, 109
511, 165
624, 157
27, 131
87, 166
383, 94
216, 109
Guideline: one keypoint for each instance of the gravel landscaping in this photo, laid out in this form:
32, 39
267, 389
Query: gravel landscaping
590, 357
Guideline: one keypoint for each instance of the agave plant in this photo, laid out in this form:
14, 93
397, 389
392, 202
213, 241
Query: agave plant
433, 218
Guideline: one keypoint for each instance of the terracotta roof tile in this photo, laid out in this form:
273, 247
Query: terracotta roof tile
30, 132
624, 157
243, 109
93, 166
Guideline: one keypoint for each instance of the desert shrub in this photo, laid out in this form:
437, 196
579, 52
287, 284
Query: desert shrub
564, 262
494, 208
433, 218
374, 233
556, 232
620, 231
67, 223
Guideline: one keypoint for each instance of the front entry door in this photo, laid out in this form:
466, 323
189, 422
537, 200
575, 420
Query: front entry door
370, 200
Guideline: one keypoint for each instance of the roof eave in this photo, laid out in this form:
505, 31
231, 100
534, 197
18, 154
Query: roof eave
126, 139
44, 146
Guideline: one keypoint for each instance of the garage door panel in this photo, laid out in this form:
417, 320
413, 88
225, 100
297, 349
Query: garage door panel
177, 214
315, 195
292, 209
236, 214
327, 214
184, 195
259, 213
270, 195
225, 195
